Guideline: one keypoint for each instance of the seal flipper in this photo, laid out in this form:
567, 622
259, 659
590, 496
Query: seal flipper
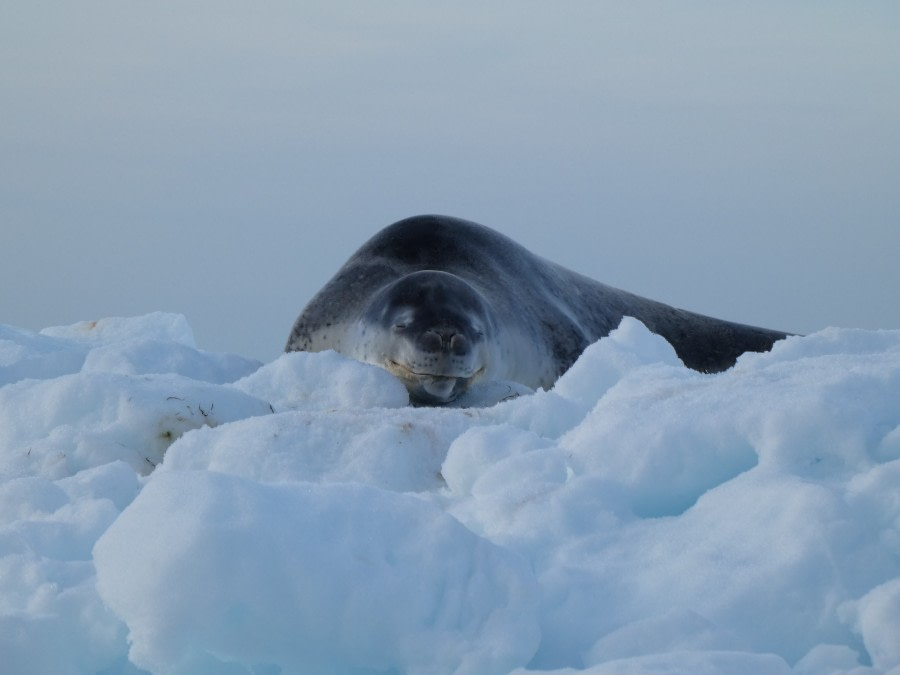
707, 344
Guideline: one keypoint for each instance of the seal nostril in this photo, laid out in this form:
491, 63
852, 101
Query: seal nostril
430, 341
459, 345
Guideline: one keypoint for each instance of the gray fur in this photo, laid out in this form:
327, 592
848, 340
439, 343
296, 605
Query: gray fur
480, 306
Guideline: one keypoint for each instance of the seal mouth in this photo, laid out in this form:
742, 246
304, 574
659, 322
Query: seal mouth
431, 389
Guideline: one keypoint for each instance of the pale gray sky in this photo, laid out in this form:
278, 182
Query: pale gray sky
222, 159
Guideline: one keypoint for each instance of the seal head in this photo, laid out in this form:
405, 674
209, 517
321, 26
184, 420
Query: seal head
432, 330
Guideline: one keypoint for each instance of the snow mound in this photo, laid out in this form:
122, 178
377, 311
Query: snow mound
171, 510
268, 582
327, 380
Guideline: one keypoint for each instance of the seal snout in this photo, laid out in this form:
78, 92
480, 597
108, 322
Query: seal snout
444, 341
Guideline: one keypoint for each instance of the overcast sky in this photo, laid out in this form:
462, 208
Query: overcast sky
222, 159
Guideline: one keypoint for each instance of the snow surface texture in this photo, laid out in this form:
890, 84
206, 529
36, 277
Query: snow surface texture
167, 509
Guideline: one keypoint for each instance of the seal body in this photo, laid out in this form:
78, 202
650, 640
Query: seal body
442, 302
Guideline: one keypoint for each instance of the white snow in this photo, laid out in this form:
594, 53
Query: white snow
171, 510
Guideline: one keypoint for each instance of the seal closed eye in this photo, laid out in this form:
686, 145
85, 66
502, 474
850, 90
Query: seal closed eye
442, 302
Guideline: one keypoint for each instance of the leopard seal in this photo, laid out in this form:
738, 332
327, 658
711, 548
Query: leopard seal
442, 302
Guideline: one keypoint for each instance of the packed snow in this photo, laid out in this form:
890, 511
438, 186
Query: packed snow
172, 510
